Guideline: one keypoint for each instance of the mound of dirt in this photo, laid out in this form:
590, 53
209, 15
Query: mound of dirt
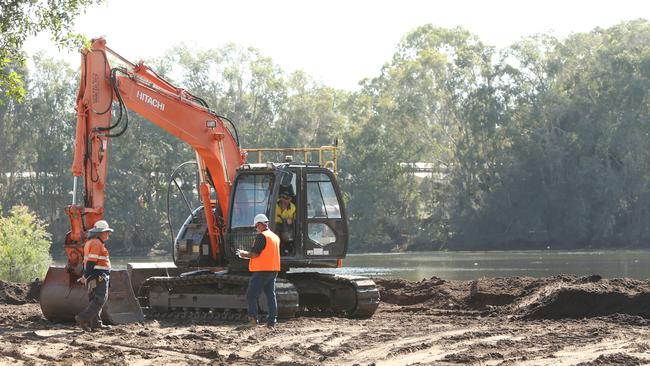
19, 293
435, 292
585, 298
555, 297
493, 292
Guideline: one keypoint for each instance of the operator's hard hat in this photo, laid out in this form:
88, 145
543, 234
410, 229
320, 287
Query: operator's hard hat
260, 218
101, 226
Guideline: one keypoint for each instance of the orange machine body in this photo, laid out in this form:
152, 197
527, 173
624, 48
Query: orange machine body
172, 109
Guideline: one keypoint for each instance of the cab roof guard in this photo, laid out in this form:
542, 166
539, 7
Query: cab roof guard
324, 156
270, 166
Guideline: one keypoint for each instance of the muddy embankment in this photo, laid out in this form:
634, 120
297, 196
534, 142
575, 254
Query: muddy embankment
523, 297
19, 293
513, 297
561, 320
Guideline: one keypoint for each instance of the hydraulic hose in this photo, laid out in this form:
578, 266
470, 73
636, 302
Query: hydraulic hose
123, 111
233, 127
169, 219
113, 90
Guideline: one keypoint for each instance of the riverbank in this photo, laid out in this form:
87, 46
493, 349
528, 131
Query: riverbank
561, 320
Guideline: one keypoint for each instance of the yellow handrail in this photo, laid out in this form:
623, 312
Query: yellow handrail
326, 155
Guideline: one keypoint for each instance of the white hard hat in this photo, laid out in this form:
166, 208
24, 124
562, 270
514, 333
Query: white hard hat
101, 226
260, 218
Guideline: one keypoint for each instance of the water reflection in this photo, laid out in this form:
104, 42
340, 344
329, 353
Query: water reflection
470, 265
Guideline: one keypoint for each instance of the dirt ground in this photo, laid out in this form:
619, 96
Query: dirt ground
559, 320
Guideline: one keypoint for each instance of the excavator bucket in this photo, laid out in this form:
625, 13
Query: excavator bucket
62, 298
122, 307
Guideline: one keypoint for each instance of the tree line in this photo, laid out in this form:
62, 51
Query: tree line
540, 144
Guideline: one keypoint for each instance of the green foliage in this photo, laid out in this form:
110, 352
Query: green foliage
22, 19
36, 144
572, 173
539, 144
544, 143
24, 246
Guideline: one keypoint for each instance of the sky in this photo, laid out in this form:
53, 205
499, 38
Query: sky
337, 42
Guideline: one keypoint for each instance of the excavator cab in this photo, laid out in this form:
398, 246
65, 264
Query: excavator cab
313, 232
316, 235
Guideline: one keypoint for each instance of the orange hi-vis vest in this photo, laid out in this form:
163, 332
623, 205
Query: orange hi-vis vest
269, 258
95, 251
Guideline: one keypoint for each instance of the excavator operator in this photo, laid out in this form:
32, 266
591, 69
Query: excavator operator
285, 214
96, 276
285, 211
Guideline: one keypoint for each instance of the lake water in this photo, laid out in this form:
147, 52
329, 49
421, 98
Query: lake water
470, 265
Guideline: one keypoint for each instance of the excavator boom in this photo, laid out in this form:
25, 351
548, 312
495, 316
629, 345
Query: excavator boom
137, 88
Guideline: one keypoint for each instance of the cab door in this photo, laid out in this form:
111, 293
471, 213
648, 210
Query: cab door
326, 233
252, 194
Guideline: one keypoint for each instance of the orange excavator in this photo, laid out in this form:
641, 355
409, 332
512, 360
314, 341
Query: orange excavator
207, 280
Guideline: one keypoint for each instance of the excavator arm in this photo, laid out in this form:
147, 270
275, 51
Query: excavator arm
104, 91
140, 89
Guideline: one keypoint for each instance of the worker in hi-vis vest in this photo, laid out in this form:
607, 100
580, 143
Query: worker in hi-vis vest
97, 268
264, 266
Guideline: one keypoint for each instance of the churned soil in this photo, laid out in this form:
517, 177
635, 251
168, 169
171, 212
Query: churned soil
561, 320
555, 297
19, 293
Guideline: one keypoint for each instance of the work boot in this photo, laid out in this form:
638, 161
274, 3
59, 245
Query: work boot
100, 326
84, 324
252, 321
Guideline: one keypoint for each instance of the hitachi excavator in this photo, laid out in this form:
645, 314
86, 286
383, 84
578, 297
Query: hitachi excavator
208, 280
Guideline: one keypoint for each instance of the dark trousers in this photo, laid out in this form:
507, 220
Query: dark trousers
262, 281
97, 297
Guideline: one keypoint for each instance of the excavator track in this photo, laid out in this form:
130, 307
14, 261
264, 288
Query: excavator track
329, 294
211, 296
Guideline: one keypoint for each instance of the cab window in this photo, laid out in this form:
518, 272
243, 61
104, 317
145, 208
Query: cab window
321, 197
252, 194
